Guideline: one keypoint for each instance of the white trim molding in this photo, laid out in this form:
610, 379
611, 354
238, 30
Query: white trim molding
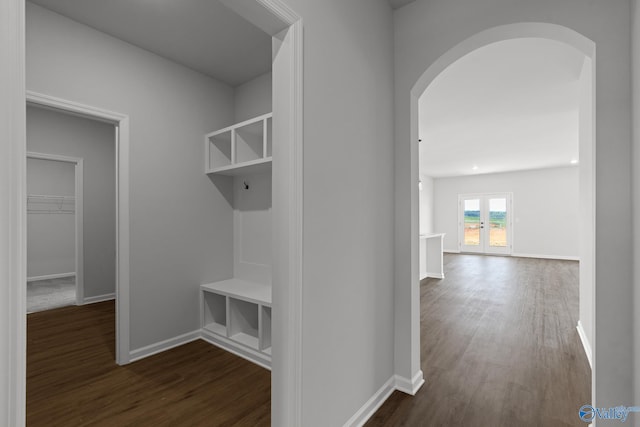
371, 406
410, 386
585, 343
558, 257
165, 345
121, 121
435, 275
13, 255
232, 347
98, 298
51, 276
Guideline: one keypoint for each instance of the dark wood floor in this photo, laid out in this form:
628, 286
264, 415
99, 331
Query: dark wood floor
499, 347
72, 379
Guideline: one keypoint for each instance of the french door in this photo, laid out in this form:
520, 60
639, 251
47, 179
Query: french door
485, 223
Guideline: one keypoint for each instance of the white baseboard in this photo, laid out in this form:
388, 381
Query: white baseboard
436, 275
237, 349
585, 342
51, 276
371, 406
409, 386
165, 345
559, 257
450, 251
98, 298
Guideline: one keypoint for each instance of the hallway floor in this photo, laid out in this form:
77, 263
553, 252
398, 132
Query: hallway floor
72, 379
499, 347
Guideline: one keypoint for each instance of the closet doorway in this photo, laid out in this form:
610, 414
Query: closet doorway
56, 140
53, 111
54, 231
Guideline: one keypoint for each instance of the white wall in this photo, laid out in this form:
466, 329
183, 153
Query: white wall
426, 205
348, 206
424, 31
51, 239
252, 206
635, 37
252, 227
253, 98
545, 209
51, 132
181, 221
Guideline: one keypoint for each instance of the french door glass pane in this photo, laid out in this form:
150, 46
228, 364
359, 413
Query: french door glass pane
472, 222
498, 222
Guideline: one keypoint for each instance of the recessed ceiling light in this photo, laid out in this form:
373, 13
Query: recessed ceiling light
475, 168
574, 161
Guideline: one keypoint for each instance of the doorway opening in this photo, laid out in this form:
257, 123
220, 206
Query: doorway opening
54, 231
286, 27
585, 117
118, 126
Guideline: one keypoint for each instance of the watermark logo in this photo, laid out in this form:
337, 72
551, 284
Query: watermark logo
588, 413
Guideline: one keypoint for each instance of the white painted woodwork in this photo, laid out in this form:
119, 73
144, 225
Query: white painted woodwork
236, 313
431, 256
236, 316
243, 148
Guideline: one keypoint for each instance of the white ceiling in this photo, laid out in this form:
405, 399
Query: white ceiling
508, 106
201, 34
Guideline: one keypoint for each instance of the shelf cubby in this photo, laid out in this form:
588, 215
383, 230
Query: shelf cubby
236, 316
265, 327
243, 148
243, 319
215, 313
250, 142
220, 150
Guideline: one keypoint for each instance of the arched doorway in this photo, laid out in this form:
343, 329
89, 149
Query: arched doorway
408, 368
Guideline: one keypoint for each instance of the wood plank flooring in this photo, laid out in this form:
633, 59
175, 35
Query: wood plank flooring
72, 379
499, 347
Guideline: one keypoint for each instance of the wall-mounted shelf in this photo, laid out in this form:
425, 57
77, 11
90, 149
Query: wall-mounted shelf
49, 204
243, 148
236, 316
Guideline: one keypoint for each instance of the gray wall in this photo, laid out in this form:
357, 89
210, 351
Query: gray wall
55, 133
635, 19
253, 98
348, 206
427, 29
181, 221
51, 237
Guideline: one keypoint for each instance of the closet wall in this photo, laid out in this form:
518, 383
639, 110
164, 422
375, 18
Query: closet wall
51, 132
252, 206
253, 98
50, 221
